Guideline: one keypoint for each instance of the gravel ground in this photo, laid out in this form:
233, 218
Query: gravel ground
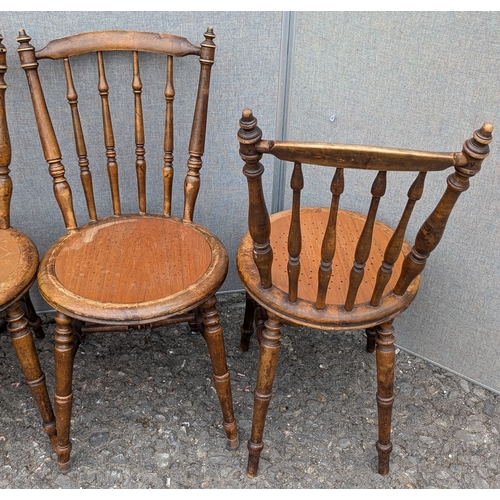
146, 415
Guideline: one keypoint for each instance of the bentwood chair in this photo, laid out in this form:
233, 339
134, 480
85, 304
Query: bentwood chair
333, 269
18, 267
127, 269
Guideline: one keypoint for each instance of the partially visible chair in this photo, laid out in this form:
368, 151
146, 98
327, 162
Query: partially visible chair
333, 269
18, 267
132, 269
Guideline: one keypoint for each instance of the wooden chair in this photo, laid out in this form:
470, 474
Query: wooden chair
129, 269
334, 269
18, 267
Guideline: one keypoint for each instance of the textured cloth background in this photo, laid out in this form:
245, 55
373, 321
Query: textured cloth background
418, 80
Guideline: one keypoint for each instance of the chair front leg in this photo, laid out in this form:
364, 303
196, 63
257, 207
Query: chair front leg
24, 345
212, 333
64, 350
268, 360
385, 355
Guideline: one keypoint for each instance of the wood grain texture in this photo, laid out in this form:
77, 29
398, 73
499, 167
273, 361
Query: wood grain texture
128, 269
153, 282
117, 40
361, 157
18, 267
304, 312
321, 245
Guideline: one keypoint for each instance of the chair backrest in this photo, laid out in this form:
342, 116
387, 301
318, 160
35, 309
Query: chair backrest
170, 46
466, 163
5, 150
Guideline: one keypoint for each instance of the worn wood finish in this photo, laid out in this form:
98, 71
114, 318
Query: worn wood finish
18, 266
128, 270
259, 225
161, 43
329, 239
328, 291
365, 241
475, 150
168, 142
394, 246
294, 234
81, 148
361, 157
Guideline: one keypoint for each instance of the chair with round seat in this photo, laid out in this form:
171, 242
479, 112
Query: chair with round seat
18, 268
126, 270
334, 269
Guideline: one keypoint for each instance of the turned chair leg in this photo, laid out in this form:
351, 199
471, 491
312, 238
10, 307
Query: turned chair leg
268, 360
385, 354
260, 320
24, 345
64, 351
371, 335
247, 327
212, 333
34, 320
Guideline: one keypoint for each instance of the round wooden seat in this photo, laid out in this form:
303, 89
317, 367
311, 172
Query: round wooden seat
19, 263
133, 268
334, 315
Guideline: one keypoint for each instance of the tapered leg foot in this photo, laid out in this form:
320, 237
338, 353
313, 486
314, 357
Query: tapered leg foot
215, 342
254, 451
268, 361
64, 351
385, 354
24, 345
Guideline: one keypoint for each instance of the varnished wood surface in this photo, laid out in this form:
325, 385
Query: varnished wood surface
304, 311
133, 269
366, 285
18, 267
18, 264
117, 40
360, 157
94, 273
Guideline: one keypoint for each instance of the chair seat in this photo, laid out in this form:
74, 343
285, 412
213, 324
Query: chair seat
18, 265
333, 316
132, 268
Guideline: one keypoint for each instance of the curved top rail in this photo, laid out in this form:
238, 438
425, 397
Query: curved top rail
97, 41
361, 157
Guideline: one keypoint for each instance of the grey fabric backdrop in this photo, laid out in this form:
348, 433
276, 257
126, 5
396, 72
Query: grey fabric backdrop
422, 80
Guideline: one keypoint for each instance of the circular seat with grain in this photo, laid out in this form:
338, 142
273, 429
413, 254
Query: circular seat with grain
334, 315
19, 264
133, 269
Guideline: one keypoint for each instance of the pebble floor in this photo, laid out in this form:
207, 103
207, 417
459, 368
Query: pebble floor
145, 415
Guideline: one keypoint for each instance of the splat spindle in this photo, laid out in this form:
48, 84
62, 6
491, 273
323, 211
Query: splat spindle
168, 157
294, 235
330, 239
109, 139
365, 241
81, 149
140, 152
396, 242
